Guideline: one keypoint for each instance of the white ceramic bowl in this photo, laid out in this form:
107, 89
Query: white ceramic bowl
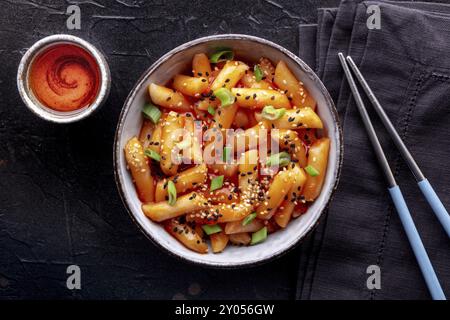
178, 60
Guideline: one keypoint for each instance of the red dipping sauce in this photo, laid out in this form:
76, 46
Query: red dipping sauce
65, 77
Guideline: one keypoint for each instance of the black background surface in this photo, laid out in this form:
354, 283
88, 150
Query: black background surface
58, 200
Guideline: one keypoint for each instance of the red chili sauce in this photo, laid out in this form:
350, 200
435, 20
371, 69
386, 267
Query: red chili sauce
65, 77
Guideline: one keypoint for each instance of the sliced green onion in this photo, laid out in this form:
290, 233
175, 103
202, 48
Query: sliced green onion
271, 113
211, 228
172, 191
153, 155
313, 172
221, 55
259, 236
225, 96
216, 183
151, 112
258, 73
281, 159
249, 219
226, 154
211, 110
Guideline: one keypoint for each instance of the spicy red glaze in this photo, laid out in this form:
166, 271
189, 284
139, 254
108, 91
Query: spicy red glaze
301, 208
65, 77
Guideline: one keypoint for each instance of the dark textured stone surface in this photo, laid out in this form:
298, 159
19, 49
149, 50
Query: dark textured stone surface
58, 200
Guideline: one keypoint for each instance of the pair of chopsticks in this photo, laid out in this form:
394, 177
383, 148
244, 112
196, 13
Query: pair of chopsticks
394, 190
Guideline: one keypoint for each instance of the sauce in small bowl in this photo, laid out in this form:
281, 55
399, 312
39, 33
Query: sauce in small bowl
63, 78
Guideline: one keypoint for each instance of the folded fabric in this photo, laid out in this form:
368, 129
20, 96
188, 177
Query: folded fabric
406, 64
307, 44
325, 22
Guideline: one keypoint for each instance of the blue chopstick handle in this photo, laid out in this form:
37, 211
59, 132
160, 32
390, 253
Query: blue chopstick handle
436, 204
416, 244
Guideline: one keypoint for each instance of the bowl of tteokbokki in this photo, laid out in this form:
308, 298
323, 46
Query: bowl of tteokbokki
227, 151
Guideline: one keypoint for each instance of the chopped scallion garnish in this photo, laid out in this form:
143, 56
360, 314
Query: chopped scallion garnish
225, 96
211, 110
216, 183
313, 172
281, 159
221, 55
211, 228
271, 113
258, 73
259, 236
172, 191
226, 154
153, 155
151, 112
249, 219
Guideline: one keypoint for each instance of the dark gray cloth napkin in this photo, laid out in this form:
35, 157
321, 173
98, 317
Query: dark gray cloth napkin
407, 65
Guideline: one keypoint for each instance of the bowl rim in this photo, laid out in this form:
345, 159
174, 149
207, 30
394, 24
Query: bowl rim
38, 108
127, 105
